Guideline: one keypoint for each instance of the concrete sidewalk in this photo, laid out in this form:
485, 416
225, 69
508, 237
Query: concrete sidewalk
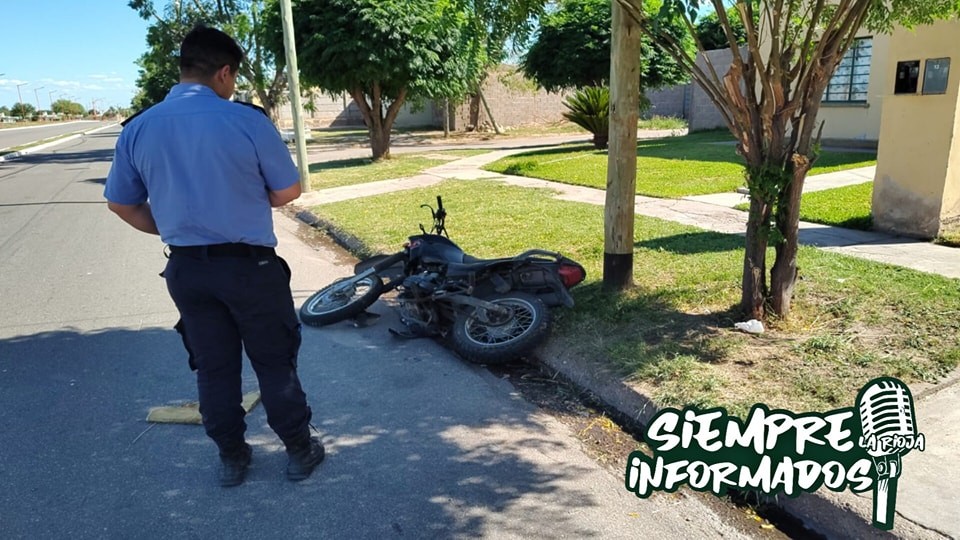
927, 501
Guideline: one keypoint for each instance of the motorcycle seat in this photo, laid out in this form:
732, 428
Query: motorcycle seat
473, 264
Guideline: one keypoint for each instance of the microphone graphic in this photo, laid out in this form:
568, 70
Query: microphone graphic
889, 431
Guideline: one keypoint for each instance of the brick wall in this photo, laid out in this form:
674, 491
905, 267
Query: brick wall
703, 114
514, 101
341, 111
670, 101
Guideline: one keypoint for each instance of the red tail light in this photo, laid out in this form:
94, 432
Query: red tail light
571, 274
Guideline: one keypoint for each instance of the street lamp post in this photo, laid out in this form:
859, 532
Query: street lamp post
20, 97
36, 94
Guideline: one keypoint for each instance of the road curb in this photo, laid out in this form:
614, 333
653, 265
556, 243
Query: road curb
339, 236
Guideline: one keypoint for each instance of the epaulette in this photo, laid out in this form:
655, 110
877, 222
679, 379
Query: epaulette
257, 107
134, 115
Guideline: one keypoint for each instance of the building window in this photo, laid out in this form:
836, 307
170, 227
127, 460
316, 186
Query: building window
849, 82
935, 74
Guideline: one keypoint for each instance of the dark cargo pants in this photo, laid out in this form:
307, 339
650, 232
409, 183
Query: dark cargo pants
228, 305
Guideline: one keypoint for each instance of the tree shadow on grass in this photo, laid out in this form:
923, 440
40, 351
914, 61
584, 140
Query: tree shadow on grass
339, 164
692, 243
649, 321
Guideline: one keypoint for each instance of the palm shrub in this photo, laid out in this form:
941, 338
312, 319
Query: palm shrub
589, 108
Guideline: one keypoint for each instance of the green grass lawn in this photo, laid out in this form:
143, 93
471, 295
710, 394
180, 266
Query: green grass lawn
672, 334
345, 172
695, 164
847, 206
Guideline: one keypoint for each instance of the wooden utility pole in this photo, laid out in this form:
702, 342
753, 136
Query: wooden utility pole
622, 153
293, 78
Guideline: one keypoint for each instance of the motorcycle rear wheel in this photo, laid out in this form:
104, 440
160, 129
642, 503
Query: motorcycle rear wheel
341, 300
486, 338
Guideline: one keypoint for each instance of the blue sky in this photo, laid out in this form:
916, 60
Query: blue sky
80, 48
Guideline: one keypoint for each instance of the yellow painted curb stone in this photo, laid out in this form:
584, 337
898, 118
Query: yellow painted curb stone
189, 413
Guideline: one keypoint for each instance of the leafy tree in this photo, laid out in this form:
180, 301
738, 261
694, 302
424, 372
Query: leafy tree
383, 53
497, 27
4, 110
770, 98
23, 110
242, 19
711, 34
67, 107
572, 49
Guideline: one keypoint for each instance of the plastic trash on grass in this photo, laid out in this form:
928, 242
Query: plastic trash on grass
752, 326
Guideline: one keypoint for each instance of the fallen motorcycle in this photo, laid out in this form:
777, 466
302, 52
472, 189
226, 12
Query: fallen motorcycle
491, 310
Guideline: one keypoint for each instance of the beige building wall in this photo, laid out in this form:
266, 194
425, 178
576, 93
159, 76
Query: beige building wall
917, 185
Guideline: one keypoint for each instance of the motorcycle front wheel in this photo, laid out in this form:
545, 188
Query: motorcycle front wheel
486, 337
341, 300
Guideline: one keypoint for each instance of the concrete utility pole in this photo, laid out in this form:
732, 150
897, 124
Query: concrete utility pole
622, 153
36, 94
293, 77
19, 97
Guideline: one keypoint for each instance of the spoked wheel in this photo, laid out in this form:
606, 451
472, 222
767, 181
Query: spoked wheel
341, 300
488, 337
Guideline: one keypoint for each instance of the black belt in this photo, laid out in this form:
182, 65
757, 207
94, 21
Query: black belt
223, 250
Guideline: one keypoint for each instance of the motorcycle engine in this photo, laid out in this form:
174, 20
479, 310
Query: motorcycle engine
414, 301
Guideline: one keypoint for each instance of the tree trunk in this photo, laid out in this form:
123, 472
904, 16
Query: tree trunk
446, 118
380, 143
475, 112
754, 284
379, 122
783, 275
486, 107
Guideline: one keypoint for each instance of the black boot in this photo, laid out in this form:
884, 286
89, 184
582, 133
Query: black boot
304, 455
235, 463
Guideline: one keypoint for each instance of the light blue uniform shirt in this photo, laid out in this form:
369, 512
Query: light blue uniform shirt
205, 164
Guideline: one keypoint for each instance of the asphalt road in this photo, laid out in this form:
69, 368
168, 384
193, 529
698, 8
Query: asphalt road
420, 444
11, 137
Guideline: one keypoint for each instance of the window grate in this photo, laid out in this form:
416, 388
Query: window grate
849, 81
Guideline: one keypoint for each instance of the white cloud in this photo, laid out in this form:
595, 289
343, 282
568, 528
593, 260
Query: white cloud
12, 83
112, 78
61, 83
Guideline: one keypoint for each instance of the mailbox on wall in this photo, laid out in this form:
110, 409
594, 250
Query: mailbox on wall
908, 74
935, 75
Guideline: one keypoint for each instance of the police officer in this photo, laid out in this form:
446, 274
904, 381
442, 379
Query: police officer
203, 173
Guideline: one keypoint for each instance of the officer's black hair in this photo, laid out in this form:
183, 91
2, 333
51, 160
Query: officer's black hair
205, 50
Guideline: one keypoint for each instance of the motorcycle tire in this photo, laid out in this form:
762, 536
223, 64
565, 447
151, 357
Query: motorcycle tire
483, 340
341, 300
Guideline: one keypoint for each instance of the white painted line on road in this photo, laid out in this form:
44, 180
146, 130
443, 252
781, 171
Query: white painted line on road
49, 125
51, 144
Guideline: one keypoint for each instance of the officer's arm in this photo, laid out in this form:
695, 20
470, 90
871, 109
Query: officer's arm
139, 216
283, 196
